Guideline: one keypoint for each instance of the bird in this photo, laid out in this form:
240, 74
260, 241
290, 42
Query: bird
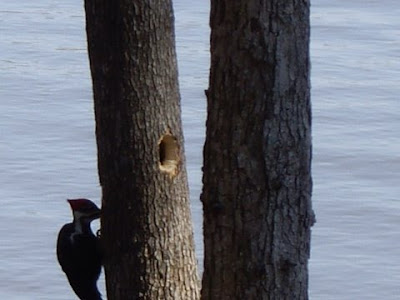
79, 251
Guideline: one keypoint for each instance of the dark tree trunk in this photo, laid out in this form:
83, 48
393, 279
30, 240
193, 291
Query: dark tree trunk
146, 224
257, 155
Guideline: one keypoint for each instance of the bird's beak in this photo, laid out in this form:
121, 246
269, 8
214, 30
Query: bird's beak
95, 215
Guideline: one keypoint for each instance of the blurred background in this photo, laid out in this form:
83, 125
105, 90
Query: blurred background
48, 149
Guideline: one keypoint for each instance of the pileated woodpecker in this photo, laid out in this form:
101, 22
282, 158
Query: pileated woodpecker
78, 250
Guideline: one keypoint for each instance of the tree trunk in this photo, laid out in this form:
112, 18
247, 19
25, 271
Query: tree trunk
257, 155
146, 224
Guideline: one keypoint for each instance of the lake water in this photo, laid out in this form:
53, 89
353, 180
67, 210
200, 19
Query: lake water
48, 150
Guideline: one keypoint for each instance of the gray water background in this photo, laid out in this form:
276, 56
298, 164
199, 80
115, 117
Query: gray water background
48, 150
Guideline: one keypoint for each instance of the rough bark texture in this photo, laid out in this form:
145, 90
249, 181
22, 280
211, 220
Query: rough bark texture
146, 224
257, 155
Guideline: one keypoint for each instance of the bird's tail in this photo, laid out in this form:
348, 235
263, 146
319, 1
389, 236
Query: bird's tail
86, 291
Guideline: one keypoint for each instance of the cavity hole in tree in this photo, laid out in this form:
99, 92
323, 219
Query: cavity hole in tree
168, 150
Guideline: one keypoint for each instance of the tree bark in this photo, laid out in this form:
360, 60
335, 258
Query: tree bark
146, 224
257, 156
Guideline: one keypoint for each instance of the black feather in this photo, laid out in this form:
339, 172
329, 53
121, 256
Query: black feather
80, 258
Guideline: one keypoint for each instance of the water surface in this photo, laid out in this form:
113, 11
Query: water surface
48, 152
